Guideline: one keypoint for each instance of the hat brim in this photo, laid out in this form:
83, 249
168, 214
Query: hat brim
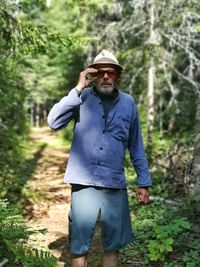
105, 63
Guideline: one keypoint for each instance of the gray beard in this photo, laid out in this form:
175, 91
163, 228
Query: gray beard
98, 89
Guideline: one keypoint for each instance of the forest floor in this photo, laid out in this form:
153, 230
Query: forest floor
47, 201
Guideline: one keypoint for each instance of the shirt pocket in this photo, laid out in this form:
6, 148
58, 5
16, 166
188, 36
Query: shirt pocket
120, 128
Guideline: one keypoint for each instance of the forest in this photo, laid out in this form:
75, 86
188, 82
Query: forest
44, 46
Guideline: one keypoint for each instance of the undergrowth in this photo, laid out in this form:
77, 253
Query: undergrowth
166, 235
167, 231
14, 240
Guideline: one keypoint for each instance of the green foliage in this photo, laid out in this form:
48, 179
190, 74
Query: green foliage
146, 218
14, 236
14, 128
31, 257
192, 257
160, 231
43, 49
196, 198
20, 36
22, 31
165, 236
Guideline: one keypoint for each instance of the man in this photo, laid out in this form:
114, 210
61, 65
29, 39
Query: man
106, 124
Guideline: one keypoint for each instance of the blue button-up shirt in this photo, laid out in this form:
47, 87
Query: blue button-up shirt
99, 145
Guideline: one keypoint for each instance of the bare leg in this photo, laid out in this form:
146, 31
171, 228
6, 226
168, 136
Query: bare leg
110, 258
79, 260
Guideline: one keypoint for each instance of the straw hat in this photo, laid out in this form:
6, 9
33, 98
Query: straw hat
105, 57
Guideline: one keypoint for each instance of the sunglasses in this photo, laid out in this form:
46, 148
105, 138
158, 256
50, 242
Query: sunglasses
101, 73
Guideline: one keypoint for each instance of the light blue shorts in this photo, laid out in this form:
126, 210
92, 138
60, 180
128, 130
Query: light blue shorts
112, 205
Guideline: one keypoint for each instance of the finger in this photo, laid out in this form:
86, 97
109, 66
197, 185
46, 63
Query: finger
88, 82
146, 199
140, 198
91, 70
88, 71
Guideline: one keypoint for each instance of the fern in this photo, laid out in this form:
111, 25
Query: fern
14, 236
32, 257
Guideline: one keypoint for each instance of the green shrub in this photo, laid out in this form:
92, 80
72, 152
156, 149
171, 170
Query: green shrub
165, 236
192, 258
159, 234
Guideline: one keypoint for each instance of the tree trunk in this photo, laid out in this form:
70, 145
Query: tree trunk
150, 119
194, 186
37, 115
32, 114
150, 116
48, 3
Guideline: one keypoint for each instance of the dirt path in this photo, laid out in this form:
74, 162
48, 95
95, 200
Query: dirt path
48, 200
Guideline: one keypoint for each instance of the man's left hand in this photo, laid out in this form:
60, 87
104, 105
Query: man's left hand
143, 195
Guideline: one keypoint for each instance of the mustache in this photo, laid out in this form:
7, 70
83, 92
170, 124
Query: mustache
106, 83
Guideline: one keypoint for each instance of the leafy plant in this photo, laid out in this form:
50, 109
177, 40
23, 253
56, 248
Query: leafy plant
31, 257
165, 236
192, 258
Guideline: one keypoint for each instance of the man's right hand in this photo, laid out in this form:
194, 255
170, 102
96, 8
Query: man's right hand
83, 81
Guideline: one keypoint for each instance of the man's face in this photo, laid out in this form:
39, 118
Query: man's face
106, 79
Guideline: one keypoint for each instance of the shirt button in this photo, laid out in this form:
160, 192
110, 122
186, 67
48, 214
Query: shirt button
104, 131
98, 163
99, 103
103, 117
101, 148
